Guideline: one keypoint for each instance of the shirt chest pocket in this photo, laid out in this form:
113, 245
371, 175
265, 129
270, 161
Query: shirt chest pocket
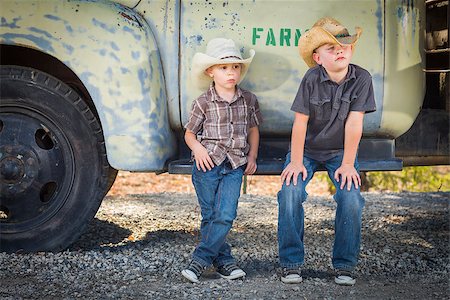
239, 121
321, 107
345, 107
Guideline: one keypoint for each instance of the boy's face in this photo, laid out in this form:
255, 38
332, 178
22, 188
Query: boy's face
225, 76
333, 57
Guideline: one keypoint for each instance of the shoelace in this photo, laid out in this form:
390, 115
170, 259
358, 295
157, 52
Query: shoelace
344, 273
196, 267
230, 267
287, 271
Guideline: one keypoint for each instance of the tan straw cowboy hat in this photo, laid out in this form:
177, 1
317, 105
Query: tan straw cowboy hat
218, 51
325, 31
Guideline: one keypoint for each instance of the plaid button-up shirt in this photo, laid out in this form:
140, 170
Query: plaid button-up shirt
222, 127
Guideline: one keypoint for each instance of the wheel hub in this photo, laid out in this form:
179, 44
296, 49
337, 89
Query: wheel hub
32, 169
11, 169
18, 168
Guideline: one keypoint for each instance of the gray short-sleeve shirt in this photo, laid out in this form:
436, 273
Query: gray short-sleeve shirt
328, 104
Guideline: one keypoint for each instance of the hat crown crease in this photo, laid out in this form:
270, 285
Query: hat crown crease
218, 51
221, 53
336, 30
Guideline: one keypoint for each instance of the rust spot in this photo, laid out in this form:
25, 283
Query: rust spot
126, 16
132, 19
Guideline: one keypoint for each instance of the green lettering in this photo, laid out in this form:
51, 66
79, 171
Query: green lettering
256, 35
270, 38
297, 36
285, 36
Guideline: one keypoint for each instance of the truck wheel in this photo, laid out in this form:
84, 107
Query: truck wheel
53, 168
111, 177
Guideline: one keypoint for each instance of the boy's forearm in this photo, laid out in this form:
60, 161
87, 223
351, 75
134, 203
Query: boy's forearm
253, 141
298, 137
191, 139
353, 134
352, 138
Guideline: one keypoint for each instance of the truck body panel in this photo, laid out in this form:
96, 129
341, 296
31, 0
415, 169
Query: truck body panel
143, 94
273, 28
112, 50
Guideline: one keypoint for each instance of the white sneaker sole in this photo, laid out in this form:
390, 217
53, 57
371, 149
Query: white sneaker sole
189, 276
344, 280
294, 279
234, 275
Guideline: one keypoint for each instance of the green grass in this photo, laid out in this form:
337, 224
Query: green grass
411, 179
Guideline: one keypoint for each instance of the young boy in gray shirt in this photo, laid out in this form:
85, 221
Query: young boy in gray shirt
329, 109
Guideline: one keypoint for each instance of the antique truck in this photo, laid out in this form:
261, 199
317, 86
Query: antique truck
91, 87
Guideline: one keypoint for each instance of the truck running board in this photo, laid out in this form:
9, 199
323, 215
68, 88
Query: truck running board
275, 166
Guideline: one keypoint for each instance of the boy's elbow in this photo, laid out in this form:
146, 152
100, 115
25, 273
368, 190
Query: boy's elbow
355, 131
253, 130
187, 135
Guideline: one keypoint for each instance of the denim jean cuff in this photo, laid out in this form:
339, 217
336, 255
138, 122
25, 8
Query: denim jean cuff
292, 265
224, 262
201, 261
344, 268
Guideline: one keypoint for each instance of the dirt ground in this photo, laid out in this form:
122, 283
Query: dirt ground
144, 183
147, 227
368, 288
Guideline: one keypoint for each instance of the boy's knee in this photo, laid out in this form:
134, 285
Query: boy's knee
225, 216
352, 198
293, 189
291, 195
207, 214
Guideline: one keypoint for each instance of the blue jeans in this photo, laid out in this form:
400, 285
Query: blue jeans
218, 191
347, 224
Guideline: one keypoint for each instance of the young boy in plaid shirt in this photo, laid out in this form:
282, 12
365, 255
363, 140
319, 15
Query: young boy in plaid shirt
223, 134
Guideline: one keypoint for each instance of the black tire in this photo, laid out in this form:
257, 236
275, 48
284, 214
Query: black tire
53, 167
112, 174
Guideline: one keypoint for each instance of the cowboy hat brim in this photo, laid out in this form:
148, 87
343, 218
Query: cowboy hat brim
201, 62
317, 36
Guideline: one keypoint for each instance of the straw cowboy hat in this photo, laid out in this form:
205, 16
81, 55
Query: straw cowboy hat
325, 31
218, 51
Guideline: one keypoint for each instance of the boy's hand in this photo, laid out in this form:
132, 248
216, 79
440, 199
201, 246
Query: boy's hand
251, 165
348, 174
292, 170
202, 159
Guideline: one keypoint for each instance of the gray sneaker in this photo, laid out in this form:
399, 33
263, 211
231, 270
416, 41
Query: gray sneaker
291, 275
193, 271
344, 277
230, 271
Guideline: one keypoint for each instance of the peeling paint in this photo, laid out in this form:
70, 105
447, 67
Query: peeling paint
32, 40
407, 17
136, 36
114, 54
11, 25
402, 101
136, 63
379, 15
104, 26
45, 33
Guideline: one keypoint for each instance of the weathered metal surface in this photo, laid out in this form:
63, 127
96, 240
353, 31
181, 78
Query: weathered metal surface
135, 63
163, 19
389, 49
404, 80
112, 50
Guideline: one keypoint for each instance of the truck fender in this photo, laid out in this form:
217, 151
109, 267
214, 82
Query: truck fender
112, 50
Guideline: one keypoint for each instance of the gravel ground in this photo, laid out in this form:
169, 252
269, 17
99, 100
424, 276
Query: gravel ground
137, 245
